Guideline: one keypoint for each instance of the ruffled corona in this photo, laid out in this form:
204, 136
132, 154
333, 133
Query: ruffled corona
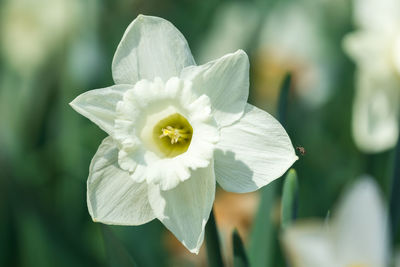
162, 125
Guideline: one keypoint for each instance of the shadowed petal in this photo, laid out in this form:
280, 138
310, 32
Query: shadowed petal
112, 196
252, 152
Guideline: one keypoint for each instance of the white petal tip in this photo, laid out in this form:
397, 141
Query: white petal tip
73, 103
142, 17
195, 251
240, 51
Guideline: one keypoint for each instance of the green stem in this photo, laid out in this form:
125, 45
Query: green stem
212, 243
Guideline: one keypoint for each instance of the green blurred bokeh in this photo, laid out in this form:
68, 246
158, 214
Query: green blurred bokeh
54, 50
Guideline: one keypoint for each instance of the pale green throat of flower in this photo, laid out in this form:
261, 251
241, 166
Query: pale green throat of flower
173, 135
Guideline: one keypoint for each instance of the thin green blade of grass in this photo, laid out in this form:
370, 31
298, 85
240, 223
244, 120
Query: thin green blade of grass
283, 99
214, 255
263, 239
239, 252
289, 199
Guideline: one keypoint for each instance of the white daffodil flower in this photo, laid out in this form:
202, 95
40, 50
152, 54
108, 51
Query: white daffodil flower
356, 236
375, 48
174, 130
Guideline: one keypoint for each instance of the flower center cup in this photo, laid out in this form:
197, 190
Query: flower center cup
172, 135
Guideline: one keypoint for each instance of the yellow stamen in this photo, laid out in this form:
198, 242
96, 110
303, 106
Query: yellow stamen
172, 135
175, 134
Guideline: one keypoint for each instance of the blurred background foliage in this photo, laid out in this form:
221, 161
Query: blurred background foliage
53, 50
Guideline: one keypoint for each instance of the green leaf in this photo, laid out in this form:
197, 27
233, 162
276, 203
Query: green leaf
212, 243
132, 238
395, 195
261, 251
263, 239
283, 99
117, 254
239, 253
34, 243
289, 199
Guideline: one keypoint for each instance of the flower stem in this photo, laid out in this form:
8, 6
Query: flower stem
212, 243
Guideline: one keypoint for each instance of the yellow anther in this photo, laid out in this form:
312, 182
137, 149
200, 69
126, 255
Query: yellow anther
174, 134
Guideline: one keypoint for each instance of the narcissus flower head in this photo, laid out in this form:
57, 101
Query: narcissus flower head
375, 48
355, 237
174, 130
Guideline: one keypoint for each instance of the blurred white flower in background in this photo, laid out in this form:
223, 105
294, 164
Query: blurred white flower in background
355, 237
291, 40
229, 31
375, 48
32, 30
282, 38
33, 35
174, 130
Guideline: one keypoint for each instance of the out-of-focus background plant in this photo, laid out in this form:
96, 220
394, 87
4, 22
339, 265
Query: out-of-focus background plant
53, 50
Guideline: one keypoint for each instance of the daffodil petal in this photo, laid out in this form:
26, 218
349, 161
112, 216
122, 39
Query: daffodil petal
99, 105
252, 152
308, 244
151, 47
376, 14
360, 226
226, 82
112, 196
185, 209
368, 50
375, 112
